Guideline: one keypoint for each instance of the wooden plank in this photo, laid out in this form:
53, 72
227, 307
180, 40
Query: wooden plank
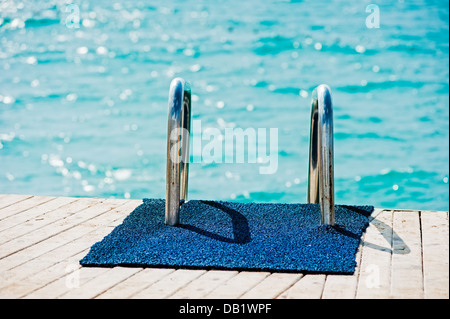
14, 243
271, 286
204, 284
38, 261
79, 237
100, 283
435, 237
23, 206
404, 254
33, 238
377, 211
375, 270
74, 277
238, 285
169, 284
407, 274
41, 284
308, 287
135, 283
8, 200
34, 217
56, 266
340, 287
56, 280
343, 286
104, 215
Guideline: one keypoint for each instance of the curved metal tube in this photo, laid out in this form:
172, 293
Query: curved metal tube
179, 126
321, 154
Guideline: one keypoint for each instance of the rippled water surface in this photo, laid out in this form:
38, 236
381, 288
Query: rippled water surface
83, 111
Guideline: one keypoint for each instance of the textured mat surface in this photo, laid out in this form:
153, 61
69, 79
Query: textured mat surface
227, 235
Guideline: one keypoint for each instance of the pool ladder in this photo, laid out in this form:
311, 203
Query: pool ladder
179, 127
320, 173
321, 154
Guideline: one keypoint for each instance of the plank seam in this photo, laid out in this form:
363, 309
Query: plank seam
187, 283
20, 200
151, 284
23, 222
250, 288
117, 283
421, 252
69, 242
26, 209
290, 286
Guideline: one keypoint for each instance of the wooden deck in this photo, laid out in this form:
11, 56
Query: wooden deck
404, 254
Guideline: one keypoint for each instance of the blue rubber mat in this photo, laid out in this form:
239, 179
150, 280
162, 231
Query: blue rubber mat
240, 236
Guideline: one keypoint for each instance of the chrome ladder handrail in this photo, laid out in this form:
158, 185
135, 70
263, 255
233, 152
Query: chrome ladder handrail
178, 131
321, 154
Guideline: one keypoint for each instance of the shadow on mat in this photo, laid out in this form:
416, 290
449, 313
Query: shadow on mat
241, 231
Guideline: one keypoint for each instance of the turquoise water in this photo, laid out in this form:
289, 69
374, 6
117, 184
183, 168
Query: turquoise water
83, 111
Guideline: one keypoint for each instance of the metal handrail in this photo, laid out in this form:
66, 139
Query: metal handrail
179, 126
321, 154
